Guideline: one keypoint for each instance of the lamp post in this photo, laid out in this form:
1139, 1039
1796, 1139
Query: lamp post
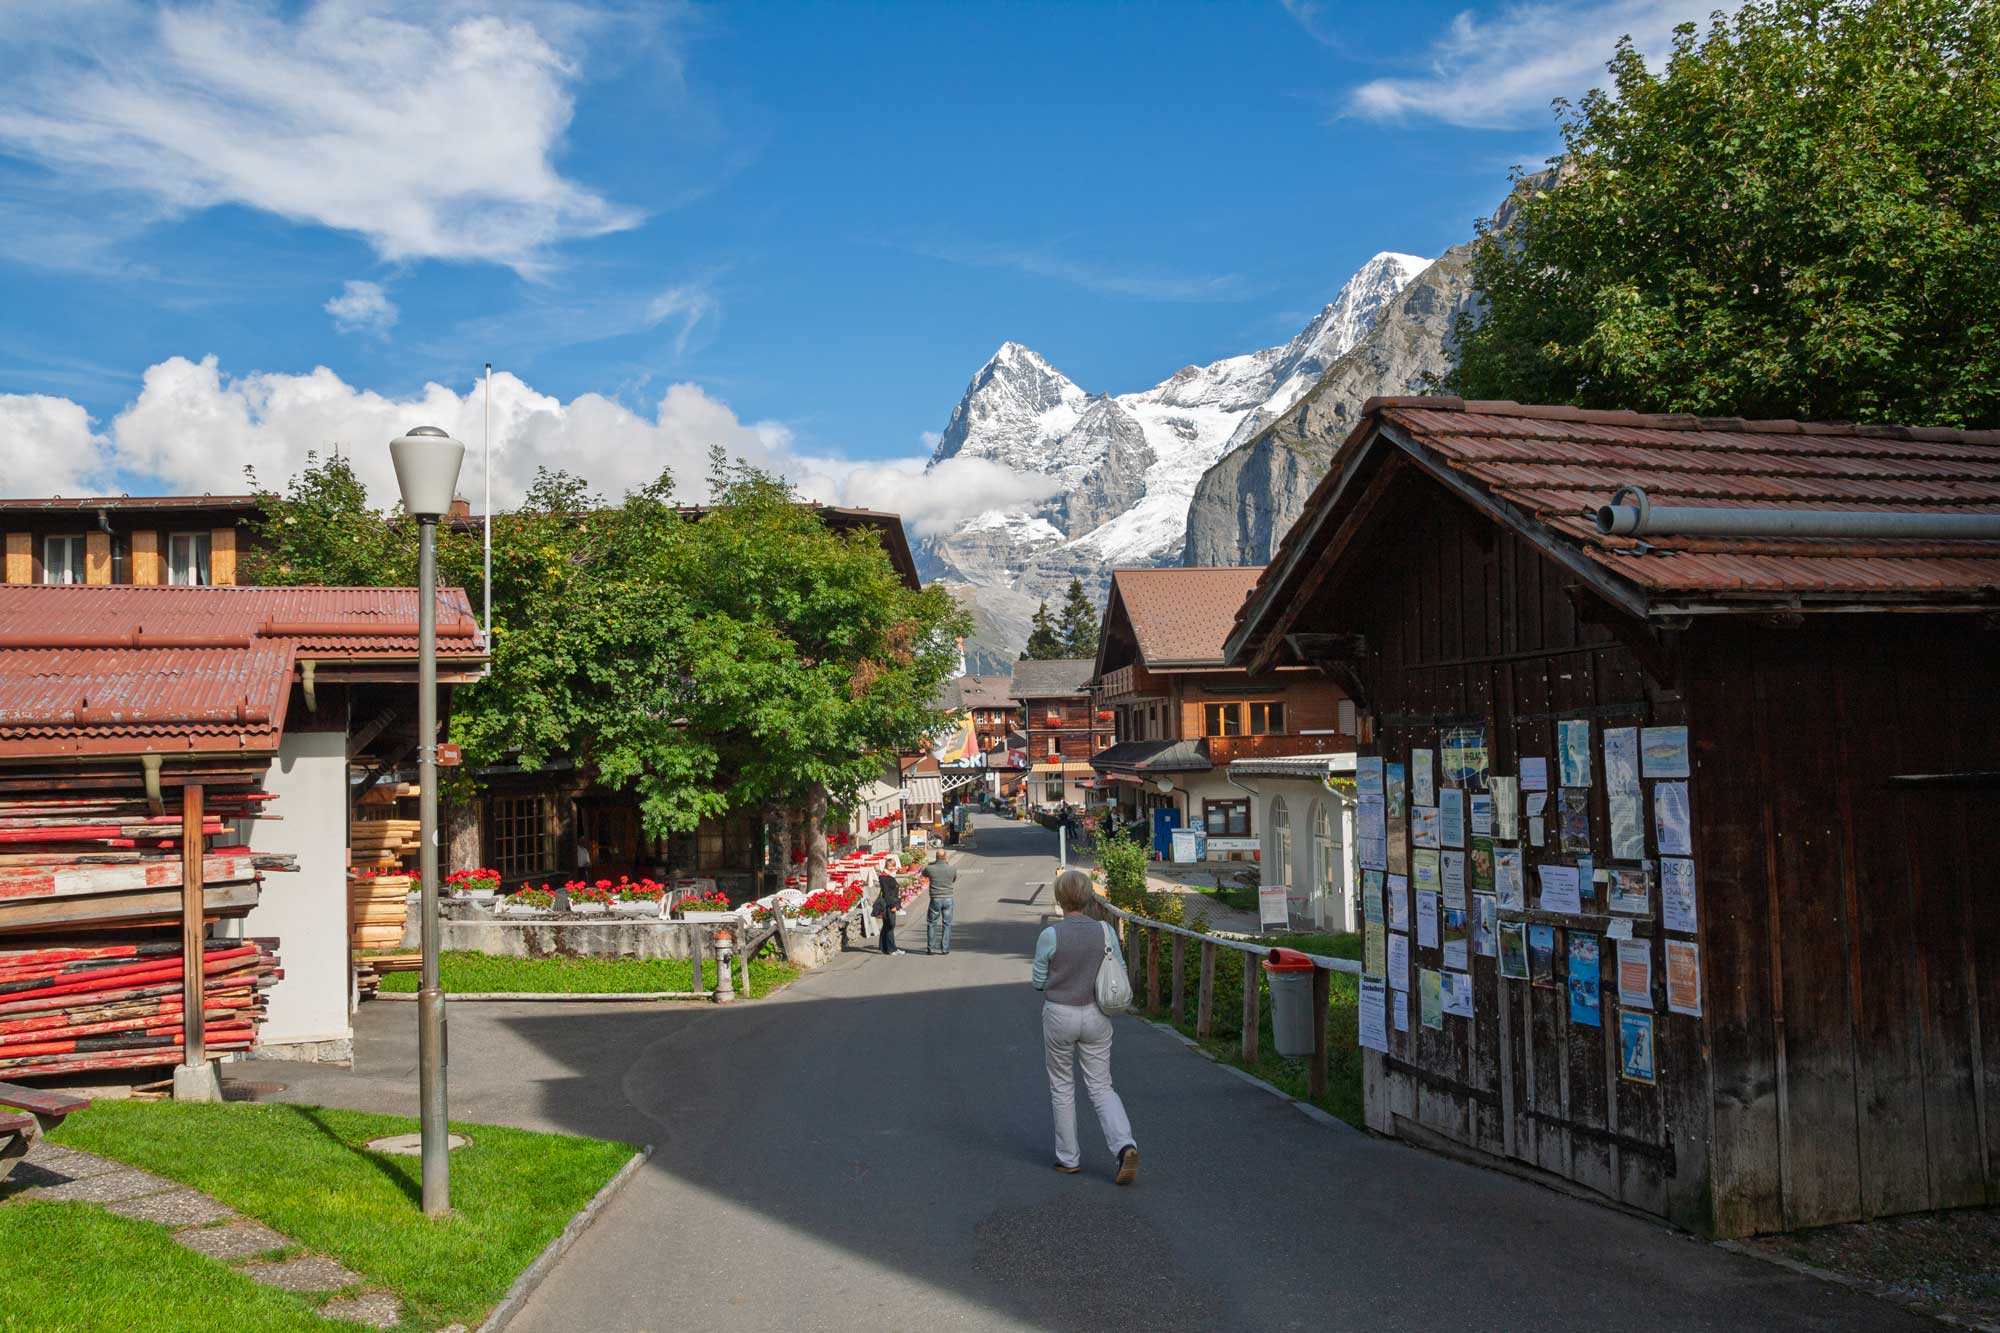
427, 462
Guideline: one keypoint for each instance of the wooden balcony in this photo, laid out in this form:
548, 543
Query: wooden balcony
1222, 749
1128, 683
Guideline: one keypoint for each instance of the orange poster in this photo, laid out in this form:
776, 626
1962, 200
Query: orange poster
1684, 977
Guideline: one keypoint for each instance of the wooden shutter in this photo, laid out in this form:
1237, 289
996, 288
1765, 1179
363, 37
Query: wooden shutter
222, 556
97, 556
146, 558
20, 557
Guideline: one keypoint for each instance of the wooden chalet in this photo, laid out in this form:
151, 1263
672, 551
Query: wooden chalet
184, 540
1062, 727
1734, 953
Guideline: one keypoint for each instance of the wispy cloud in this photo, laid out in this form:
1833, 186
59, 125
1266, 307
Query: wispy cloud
689, 304
1311, 16
431, 132
362, 307
1137, 283
1501, 71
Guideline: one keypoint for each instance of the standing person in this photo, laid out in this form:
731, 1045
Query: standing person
1074, 1029
942, 876
888, 901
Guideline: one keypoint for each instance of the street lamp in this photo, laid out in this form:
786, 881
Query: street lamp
427, 462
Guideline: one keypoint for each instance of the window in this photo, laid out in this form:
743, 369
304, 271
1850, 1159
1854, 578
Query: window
1226, 819
708, 845
1222, 719
1055, 747
62, 559
1267, 719
1281, 842
187, 561
1349, 723
517, 836
1324, 865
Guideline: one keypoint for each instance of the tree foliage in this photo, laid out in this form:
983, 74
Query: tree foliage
1798, 217
1079, 623
1045, 641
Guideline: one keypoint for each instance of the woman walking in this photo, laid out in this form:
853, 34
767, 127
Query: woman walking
1075, 1031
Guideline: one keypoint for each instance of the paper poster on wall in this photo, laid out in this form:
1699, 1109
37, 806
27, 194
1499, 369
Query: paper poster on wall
1559, 889
1425, 826
1430, 998
1481, 861
1542, 956
1457, 938
1451, 817
1635, 974
1455, 994
1399, 961
1371, 833
1506, 809
1665, 751
1452, 865
1635, 1047
1507, 886
1630, 890
1586, 883
1274, 905
1534, 773
1621, 759
1585, 1000
1485, 926
1399, 902
1481, 808
1427, 920
1402, 1009
1573, 751
1424, 870
1514, 950
1375, 926
1464, 756
1368, 775
1628, 825
1677, 911
1671, 826
1684, 977
1537, 835
1573, 807
1396, 803
1620, 928
1538, 803
1374, 1020
1423, 780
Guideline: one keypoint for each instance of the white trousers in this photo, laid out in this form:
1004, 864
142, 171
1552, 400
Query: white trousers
1080, 1033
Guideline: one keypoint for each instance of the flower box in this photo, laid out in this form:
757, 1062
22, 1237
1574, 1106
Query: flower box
710, 918
589, 909
525, 913
637, 910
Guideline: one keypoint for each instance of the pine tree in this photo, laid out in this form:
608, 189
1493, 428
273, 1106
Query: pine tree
1044, 641
1079, 623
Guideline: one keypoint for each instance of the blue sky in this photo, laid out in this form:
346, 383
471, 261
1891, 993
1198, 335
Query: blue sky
793, 229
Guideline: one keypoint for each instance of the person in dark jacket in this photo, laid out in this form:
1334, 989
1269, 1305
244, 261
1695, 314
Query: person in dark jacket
888, 901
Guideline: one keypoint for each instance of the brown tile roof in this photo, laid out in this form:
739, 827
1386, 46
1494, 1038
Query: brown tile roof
1554, 466
113, 670
1182, 616
1052, 678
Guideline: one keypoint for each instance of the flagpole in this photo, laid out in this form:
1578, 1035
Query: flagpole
486, 523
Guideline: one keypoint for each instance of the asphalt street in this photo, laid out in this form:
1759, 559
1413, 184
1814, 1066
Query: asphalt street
871, 1149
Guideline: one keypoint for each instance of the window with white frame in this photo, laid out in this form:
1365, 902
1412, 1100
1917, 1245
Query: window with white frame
63, 559
187, 560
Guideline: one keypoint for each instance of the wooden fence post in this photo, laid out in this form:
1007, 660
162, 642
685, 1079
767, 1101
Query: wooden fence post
1251, 1000
1179, 988
194, 1037
1321, 996
1204, 1000
1153, 970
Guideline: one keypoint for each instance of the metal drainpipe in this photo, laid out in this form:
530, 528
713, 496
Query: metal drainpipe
1641, 518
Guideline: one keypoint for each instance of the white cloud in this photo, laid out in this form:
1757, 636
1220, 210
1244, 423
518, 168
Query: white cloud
362, 307
431, 132
930, 502
689, 304
1502, 72
47, 447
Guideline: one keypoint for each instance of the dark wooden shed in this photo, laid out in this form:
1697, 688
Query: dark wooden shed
1841, 699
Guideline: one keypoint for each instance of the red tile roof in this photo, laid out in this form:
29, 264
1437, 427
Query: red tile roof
1181, 616
1554, 467
90, 670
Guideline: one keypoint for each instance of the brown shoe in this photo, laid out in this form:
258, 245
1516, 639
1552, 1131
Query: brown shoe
1128, 1164
1068, 1170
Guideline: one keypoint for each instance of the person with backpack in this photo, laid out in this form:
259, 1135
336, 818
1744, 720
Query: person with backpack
1080, 971
888, 902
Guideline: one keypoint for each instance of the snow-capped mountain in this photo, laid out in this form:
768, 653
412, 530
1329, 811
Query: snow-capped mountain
1126, 465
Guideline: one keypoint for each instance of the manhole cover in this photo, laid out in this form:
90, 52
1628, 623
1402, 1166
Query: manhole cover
412, 1145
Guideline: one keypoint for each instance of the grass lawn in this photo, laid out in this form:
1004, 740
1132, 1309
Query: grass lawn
303, 1171
75, 1268
477, 973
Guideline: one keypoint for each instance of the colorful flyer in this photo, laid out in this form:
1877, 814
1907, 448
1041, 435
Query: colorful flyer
1506, 808
1534, 773
1397, 803
1635, 1047
1374, 934
1374, 1019
1482, 863
1514, 950
1684, 977
1481, 808
1585, 1002
1423, 781
1621, 759
1507, 885
1465, 757
1427, 920
1399, 961
1424, 870
1542, 956
1671, 825
1635, 974
1455, 994
1629, 890
1457, 938
1485, 926
1430, 998
1453, 864
1559, 889
1573, 804
1451, 817
1677, 910
1425, 827
1665, 751
1399, 902
1573, 751
1368, 775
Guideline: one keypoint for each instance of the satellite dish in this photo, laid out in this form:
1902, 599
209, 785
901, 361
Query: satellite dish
1163, 785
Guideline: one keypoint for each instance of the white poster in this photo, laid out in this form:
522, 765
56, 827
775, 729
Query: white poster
1561, 890
1427, 921
1424, 826
1482, 814
1453, 866
1507, 885
1451, 817
1374, 1016
1621, 759
1368, 775
1635, 974
1273, 907
1399, 962
1402, 998
1671, 825
1677, 910
1399, 902
1456, 993
1372, 831
1534, 774
1423, 779
1506, 809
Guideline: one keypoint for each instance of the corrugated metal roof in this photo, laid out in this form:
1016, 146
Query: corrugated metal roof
91, 670
1181, 615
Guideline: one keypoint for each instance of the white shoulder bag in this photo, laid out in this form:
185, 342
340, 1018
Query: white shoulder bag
1114, 988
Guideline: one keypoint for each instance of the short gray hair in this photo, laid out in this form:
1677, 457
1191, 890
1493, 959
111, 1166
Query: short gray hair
1074, 890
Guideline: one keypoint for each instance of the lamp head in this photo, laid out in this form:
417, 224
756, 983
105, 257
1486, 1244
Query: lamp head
427, 462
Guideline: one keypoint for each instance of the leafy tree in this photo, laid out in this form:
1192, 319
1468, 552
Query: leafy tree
1044, 639
1799, 217
321, 529
1079, 623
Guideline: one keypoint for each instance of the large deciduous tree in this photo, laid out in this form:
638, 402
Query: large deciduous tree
1798, 216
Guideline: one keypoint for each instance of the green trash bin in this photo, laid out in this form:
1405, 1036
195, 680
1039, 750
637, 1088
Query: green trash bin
1291, 976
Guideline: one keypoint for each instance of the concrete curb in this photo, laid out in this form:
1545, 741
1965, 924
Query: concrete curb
1861, 1285
561, 997
1306, 1109
533, 1275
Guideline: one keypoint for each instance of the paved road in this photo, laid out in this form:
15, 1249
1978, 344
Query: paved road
870, 1149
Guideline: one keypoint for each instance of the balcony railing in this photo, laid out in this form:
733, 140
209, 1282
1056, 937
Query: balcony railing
1222, 749
1127, 683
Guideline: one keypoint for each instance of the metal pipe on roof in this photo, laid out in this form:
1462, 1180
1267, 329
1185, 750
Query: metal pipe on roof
1643, 519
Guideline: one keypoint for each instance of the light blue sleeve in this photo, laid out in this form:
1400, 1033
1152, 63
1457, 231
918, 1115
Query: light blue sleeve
1045, 949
